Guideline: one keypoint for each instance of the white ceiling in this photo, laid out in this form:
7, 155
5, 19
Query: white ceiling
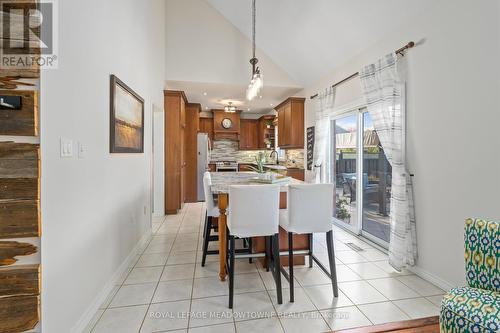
217, 95
310, 38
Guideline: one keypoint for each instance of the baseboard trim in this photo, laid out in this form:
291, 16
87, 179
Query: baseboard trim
88, 315
424, 274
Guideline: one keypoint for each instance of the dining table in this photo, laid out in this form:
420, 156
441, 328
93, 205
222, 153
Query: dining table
221, 182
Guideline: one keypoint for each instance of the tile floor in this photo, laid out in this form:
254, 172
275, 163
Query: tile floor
166, 289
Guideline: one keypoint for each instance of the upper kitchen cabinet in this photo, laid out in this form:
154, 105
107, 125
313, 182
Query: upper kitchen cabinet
207, 126
249, 134
291, 123
266, 132
226, 125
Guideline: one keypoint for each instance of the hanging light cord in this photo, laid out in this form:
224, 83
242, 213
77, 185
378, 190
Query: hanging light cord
253, 27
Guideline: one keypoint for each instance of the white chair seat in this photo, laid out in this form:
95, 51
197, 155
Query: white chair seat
213, 212
284, 219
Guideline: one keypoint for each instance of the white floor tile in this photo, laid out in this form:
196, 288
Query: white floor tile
134, 294
93, 321
182, 258
360, 292
153, 259
418, 307
210, 311
305, 322
223, 328
345, 274
166, 316
350, 257
380, 313
302, 302
144, 275
393, 289
436, 300
421, 286
158, 248
373, 254
267, 325
175, 290
345, 318
121, 320
208, 287
178, 272
389, 269
252, 306
322, 297
311, 276
368, 270
245, 283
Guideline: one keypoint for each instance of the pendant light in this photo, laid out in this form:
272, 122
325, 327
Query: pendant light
256, 83
230, 108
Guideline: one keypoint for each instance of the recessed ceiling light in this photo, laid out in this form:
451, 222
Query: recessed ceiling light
260, 96
272, 104
248, 109
206, 107
205, 93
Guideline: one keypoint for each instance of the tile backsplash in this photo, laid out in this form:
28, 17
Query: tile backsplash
227, 150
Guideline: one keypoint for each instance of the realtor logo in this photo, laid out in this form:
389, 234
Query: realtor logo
28, 34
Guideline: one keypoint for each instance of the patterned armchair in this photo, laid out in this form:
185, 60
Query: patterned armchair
476, 308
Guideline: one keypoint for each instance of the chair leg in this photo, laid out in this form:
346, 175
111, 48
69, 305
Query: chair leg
331, 259
290, 265
250, 249
231, 271
311, 245
267, 241
207, 231
205, 225
277, 267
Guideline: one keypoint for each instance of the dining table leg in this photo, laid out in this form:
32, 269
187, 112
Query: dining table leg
222, 202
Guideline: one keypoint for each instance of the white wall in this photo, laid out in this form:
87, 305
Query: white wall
453, 123
92, 208
159, 161
203, 46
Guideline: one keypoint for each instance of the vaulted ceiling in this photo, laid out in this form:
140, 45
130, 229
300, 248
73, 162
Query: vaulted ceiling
310, 38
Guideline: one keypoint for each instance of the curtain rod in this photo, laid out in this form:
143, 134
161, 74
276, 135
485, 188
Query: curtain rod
398, 51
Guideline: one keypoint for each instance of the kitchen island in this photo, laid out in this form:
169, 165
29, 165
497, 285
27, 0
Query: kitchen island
221, 181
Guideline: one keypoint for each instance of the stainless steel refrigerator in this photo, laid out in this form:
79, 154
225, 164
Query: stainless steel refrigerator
204, 150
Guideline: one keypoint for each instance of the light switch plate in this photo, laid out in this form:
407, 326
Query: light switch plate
66, 147
82, 150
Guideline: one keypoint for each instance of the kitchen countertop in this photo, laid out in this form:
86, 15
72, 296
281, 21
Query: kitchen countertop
222, 180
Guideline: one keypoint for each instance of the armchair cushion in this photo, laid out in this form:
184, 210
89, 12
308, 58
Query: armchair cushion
482, 254
471, 310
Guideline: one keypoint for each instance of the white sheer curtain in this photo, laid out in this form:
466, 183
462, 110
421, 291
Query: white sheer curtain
384, 93
321, 155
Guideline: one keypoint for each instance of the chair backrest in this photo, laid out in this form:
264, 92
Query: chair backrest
209, 198
253, 210
482, 254
310, 208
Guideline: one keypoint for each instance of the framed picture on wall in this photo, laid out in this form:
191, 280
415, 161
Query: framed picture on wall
127, 119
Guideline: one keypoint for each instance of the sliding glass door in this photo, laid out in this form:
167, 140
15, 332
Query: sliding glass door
376, 185
360, 206
344, 153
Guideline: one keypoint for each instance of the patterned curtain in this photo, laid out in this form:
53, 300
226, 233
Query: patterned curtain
321, 155
384, 94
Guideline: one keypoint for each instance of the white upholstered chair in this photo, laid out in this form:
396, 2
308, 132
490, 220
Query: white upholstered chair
310, 210
254, 212
212, 211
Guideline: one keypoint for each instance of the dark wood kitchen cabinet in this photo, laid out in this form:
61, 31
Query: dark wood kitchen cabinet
249, 134
291, 123
207, 126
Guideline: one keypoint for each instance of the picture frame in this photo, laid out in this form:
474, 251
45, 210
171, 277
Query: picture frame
126, 118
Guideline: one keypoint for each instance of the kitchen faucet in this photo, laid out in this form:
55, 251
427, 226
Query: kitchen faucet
277, 159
